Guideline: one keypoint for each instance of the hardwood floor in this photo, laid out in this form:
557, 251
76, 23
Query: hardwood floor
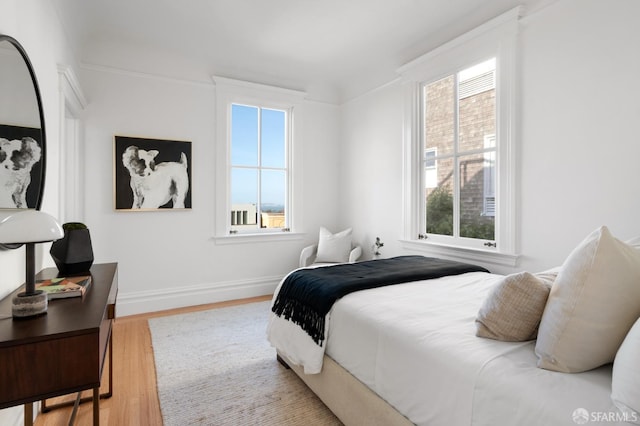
135, 397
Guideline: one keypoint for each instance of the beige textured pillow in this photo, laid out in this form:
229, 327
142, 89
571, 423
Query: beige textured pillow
333, 247
625, 381
513, 309
593, 303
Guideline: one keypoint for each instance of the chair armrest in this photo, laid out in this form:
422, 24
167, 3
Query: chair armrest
308, 255
355, 254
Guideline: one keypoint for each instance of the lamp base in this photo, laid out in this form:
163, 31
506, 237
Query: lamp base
29, 305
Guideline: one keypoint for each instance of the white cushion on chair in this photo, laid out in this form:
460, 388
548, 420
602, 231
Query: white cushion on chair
334, 247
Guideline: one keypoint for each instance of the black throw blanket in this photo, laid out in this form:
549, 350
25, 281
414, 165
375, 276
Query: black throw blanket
307, 295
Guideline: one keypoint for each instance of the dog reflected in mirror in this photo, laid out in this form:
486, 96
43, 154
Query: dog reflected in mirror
17, 158
154, 185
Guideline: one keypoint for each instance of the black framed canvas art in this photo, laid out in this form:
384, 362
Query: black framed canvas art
21, 166
151, 174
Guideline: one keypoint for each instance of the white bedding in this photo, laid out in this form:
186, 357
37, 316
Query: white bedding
415, 346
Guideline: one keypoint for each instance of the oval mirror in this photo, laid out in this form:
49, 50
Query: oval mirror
22, 132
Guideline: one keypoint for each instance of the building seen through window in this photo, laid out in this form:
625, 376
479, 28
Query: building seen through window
459, 142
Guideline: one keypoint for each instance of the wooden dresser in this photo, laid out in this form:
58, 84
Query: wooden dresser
61, 352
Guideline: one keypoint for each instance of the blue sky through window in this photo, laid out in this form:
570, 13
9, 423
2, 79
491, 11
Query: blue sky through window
258, 133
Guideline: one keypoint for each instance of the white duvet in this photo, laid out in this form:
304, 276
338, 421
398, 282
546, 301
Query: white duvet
415, 346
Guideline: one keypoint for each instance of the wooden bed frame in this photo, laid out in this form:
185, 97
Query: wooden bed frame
347, 397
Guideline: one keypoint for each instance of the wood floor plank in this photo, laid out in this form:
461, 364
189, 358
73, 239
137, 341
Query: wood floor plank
135, 395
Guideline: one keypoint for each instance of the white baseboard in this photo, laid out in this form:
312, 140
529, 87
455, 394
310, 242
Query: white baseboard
140, 302
13, 416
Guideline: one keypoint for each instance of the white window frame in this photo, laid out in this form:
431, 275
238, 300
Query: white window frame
433, 169
496, 38
259, 168
489, 188
231, 91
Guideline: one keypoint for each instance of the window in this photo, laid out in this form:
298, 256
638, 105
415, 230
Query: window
259, 172
459, 149
459, 122
255, 167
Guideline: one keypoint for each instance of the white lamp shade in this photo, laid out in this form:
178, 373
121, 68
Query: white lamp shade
28, 226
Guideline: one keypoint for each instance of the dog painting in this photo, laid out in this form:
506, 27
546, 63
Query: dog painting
152, 174
20, 167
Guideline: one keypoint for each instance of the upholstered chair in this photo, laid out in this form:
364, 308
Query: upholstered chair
330, 249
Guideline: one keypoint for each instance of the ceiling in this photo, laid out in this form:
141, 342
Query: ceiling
332, 49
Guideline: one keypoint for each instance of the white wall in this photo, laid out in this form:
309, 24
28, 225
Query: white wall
577, 157
579, 151
166, 259
35, 26
579, 145
160, 253
371, 196
169, 258
29, 23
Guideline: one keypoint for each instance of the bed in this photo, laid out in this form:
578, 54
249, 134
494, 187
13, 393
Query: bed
409, 354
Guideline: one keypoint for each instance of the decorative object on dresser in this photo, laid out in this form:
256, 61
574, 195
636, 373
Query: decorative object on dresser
61, 288
73, 254
28, 227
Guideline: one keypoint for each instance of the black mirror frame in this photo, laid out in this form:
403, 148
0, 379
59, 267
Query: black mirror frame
36, 87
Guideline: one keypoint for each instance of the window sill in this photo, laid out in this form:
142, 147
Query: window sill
258, 238
464, 254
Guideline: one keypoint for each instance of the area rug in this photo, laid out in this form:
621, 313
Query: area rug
216, 367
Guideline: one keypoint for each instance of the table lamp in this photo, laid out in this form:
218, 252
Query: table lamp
29, 227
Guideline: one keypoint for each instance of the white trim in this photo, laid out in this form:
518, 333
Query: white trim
228, 91
411, 179
253, 88
70, 87
259, 168
14, 416
130, 73
140, 302
499, 23
507, 178
383, 86
496, 38
464, 254
258, 238
532, 10
71, 182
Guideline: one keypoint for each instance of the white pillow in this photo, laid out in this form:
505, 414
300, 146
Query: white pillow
625, 382
549, 276
334, 247
593, 303
634, 242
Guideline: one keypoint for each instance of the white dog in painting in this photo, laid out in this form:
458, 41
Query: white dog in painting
154, 185
17, 158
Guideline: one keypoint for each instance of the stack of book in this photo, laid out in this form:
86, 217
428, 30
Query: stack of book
62, 287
